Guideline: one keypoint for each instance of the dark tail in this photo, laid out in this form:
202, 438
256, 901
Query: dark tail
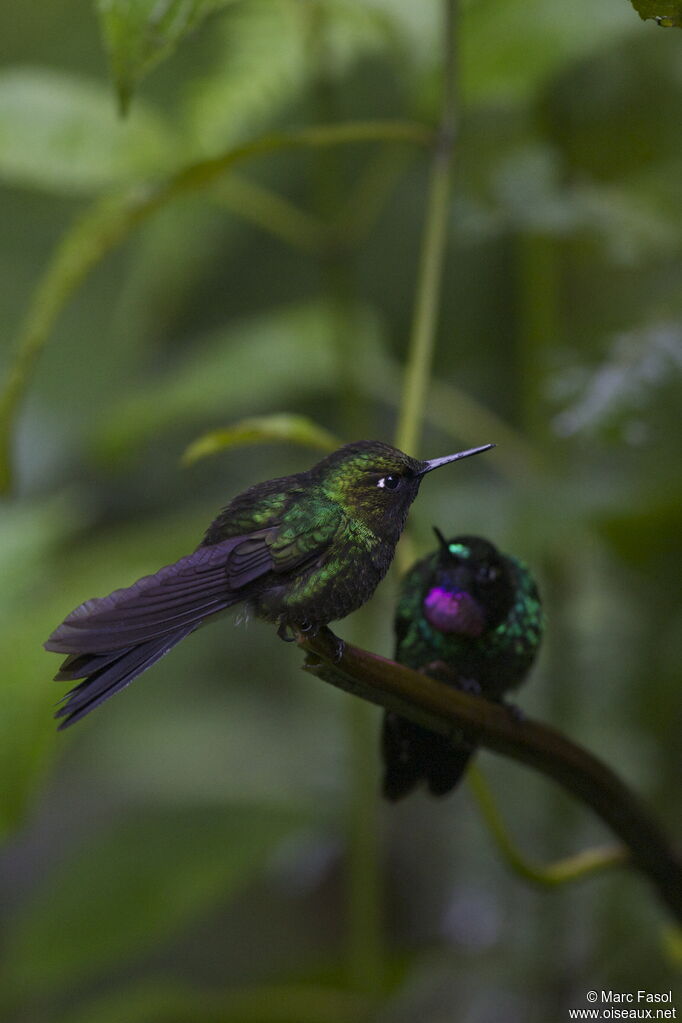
111, 640
412, 754
106, 674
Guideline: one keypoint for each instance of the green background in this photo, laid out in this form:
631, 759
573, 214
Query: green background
211, 845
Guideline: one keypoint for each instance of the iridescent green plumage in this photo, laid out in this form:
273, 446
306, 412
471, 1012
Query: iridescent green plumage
300, 551
471, 617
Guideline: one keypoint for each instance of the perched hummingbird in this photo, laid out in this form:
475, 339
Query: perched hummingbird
300, 551
471, 617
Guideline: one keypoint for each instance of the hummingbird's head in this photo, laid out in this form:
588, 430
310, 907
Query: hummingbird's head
472, 589
377, 483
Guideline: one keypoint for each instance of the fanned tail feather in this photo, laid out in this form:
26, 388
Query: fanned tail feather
107, 674
111, 640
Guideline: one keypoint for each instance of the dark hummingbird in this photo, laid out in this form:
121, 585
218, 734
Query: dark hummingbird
300, 551
472, 618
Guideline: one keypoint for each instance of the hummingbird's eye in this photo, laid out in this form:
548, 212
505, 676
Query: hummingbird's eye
389, 482
487, 574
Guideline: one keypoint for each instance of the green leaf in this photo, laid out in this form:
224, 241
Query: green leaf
134, 886
58, 132
138, 34
263, 430
667, 13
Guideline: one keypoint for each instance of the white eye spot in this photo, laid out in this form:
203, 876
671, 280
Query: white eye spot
389, 482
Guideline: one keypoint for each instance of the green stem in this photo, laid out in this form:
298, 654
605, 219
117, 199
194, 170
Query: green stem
430, 275
458, 415
111, 220
271, 212
571, 868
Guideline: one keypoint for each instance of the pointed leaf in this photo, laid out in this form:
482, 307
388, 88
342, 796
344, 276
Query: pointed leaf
140, 33
263, 430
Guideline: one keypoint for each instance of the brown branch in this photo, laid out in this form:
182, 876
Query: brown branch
462, 716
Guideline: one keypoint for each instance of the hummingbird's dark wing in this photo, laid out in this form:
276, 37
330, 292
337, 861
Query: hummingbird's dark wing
111, 640
180, 594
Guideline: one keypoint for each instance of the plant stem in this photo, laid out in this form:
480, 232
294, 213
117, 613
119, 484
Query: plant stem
269, 211
430, 273
109, 221
445, 710
423, 342
571, 868
455, 413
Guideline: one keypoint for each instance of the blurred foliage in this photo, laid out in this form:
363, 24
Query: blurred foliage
144, 886
58, 134
666, 13
184, 853
140, 33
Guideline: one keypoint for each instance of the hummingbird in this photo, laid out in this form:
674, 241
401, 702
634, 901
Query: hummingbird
472, 618
299, 551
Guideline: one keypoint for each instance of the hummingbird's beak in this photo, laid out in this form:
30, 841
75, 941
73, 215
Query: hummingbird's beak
435, 463
441, 539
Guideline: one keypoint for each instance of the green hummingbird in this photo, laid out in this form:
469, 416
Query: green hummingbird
471, 617
300, 551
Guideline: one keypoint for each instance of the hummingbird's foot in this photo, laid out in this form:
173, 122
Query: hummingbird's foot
304, 630
339, 644
294, 632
